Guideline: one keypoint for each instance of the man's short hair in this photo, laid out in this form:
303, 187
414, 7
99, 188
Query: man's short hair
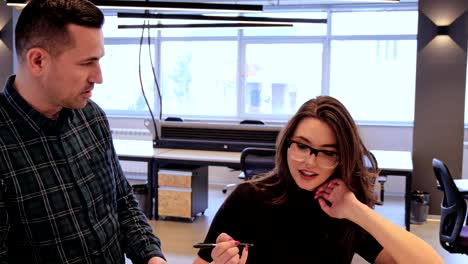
43, 24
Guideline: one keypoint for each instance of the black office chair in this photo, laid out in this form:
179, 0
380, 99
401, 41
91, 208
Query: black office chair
453, 233
251, 122
254, 161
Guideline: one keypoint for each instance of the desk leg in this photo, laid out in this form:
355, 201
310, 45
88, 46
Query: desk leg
155, 184
149, 198
408, 200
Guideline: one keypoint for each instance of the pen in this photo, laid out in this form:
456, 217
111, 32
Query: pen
212, 245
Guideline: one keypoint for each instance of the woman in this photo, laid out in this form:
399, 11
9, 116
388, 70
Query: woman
315, 205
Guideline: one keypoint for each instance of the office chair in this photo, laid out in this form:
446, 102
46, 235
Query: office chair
243, 122
254, 161
251, 122
381, 179
453, 233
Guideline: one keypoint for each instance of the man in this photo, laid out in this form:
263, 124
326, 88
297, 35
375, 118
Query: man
63, 195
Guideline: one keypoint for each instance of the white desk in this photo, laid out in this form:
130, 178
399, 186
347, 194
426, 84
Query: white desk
136, 148
394, 160
398, 163
201, 157
140, 150
462, 185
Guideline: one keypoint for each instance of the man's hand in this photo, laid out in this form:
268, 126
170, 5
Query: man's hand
157, 260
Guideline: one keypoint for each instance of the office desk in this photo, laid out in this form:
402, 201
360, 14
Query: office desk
462, 185
140, 150
196, 161
200, 157
137, 149
398, 163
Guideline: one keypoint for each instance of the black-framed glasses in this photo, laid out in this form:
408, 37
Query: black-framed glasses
301, 152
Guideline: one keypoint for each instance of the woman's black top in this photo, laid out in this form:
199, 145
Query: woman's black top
297, 231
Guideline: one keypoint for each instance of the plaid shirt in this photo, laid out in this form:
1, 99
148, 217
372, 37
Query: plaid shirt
63, 195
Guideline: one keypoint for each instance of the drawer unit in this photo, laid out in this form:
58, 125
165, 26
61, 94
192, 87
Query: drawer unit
182, 194
175, 202
175, 178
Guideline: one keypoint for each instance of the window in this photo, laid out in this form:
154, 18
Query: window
199, 78
375, 23
300, 29
365, 57
278, 82
120, 92
375, 79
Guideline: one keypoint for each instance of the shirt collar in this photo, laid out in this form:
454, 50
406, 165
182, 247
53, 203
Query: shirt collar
23, 111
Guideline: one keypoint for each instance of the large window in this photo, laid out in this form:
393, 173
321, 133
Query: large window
364, 57
121, 92
375, 79
199, 77
278, 82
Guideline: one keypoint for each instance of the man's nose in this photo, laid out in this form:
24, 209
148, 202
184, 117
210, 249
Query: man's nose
96, 76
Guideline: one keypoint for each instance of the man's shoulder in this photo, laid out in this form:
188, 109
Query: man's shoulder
7, 121
3, 108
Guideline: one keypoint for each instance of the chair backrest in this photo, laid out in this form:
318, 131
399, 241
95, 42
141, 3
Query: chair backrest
251, 122
255, 161
370, 160
452, 208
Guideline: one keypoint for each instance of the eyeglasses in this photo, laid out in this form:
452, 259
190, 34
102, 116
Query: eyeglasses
301, 152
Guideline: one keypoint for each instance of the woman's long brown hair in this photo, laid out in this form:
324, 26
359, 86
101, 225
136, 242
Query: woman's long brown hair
358, 177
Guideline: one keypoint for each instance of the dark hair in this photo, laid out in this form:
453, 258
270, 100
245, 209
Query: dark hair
350, 148
43, 24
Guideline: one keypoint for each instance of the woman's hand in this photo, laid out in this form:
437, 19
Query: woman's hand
336, 199
227, 252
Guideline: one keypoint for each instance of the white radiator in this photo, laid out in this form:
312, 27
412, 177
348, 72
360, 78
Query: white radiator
134, 170
131, 133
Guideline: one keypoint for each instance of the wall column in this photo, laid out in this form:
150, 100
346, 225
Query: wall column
6, 43
440, 93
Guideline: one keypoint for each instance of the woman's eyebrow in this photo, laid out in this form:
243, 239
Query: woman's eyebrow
302, 138
310, 143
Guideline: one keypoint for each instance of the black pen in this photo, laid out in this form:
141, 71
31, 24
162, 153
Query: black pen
212, 245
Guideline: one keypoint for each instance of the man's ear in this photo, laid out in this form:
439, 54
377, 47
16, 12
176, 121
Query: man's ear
37, 60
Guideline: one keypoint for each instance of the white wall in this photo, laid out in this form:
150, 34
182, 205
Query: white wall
465, 160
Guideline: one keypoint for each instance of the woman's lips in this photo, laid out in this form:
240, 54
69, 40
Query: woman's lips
308, 173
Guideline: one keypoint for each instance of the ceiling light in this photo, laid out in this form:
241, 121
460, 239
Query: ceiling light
204, 25
160, 5
238, 19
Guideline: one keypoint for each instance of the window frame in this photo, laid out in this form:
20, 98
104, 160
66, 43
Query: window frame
243, 41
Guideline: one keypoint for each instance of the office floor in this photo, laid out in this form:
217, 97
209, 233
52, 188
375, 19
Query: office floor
178, 237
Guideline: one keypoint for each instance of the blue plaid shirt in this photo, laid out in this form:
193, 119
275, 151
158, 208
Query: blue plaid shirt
63, 195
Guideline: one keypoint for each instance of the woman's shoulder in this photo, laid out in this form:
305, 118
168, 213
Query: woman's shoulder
248, 192
256, 192
245, 190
